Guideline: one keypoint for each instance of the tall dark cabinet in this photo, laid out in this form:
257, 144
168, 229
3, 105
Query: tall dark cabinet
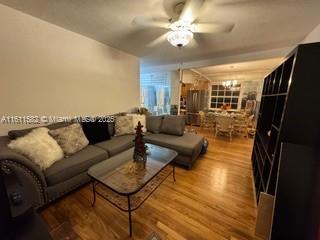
290, 115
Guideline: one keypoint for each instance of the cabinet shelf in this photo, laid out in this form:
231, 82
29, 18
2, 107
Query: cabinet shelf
264, 140
275, 127
275, 95
259, 162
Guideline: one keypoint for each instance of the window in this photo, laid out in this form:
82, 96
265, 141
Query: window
155, 91
224, 95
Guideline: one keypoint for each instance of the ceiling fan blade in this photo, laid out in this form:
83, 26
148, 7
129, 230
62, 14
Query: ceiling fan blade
191, 10
170, 7
212, 27
201, 39
193, 44
233, 2
151, 22
158, 40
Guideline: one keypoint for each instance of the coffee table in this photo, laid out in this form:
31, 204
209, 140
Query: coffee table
127, 184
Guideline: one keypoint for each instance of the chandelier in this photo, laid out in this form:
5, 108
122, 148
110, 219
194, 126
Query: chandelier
232, 85
181, 34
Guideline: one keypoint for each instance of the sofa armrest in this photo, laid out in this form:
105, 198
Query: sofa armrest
7, 154
29, 174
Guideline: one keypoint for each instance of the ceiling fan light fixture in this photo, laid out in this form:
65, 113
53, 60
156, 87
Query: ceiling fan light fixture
179, 38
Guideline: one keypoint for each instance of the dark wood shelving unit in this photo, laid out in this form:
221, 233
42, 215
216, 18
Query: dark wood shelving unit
289, 113
274, 95
273, 102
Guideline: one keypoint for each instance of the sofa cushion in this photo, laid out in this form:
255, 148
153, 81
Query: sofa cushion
173, 125
8, 154
112, 122
71, 138
14, 134
39, 147
138, 118
117, 144
111, 130
124, 125
76, 164
154, 123
187, 144
96, 131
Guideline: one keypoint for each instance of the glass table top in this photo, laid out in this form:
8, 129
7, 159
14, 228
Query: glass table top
124, 176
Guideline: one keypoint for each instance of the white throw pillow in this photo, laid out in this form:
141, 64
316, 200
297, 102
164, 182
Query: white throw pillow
138, 118
39, 147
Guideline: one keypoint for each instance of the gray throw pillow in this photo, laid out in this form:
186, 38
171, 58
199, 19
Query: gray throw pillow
124, 125
154, 123
111, 124
173, 125
71, 138
111, 130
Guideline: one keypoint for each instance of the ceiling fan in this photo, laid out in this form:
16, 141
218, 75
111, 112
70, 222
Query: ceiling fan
181, 23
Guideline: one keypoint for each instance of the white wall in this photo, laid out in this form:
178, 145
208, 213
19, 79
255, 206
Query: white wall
47, 70
314, 36
188, 76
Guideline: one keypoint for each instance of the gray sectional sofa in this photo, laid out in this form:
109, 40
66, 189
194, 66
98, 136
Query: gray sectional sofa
69, 173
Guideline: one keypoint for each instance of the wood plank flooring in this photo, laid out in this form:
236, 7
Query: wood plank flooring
213, 201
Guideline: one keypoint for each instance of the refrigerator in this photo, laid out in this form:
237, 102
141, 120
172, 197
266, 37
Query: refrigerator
197, 100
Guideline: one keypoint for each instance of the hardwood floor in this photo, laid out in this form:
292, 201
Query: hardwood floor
213, 201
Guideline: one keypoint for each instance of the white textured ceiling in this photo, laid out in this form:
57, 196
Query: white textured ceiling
251, 70
260, 25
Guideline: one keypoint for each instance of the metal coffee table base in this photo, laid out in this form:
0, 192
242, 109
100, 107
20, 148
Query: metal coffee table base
132, 201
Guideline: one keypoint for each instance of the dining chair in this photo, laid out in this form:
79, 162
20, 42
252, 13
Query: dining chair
224, 124
207, 121
241, 124
202, 118
251, 125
